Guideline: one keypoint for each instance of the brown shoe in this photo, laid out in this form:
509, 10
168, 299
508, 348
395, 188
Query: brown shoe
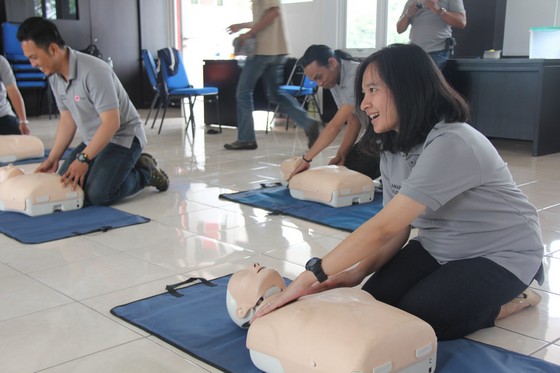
158, 178
526, 299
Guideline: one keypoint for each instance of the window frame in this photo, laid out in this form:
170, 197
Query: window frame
381, 29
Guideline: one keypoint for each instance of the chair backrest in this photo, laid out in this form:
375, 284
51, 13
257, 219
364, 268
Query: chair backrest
180, 79
151, 69
308, 83
12, 47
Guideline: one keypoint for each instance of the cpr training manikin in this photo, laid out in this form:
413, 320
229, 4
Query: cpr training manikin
339, 330
36, 194
17, 147
336, 186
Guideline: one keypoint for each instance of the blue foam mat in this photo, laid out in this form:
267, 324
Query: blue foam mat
44, 228
195, 320
277, 199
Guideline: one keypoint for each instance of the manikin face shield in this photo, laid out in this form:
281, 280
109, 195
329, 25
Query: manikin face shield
248, 288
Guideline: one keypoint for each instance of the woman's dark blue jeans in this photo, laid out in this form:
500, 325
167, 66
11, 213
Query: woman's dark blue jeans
456, 298
112, 174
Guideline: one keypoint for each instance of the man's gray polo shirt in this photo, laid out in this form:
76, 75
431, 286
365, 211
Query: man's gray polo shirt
94, 88
7, 78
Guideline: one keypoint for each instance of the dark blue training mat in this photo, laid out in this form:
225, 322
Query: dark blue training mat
195, 320
44, 228
39, 159
277, 199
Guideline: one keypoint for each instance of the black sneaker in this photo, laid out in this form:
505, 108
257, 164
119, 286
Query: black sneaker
158, 178
312, 132
241, 145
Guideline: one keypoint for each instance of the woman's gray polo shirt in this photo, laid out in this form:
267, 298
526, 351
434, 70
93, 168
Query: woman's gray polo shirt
474, 208
94, 88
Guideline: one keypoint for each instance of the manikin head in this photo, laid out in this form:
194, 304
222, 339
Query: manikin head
248, 288
288, 166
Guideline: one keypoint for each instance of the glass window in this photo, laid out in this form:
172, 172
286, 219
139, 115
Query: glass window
56, 9
361, 24
372, 24
395, 9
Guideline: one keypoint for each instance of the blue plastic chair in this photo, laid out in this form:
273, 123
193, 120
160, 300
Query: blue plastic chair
177, 86
307, 89
151, 69
26, 75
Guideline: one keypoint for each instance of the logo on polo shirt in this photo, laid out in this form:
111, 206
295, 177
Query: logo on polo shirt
77, 98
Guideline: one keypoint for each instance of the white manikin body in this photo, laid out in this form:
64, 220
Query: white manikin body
341, 330
336, 186
16, 147
36, 194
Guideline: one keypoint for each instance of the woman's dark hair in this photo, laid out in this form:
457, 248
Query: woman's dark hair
321, 53
40, 31
421, 95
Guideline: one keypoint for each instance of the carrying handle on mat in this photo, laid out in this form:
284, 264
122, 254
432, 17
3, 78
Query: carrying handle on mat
172, 289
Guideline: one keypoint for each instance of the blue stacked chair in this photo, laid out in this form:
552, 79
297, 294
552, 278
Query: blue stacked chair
27, 76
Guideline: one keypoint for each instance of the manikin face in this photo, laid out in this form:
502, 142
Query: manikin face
325, 76
248, 288
46, 61
378, 102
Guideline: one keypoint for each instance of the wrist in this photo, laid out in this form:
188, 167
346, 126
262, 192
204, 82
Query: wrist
306, 159
23, 121
314, 265
442, 11
83, 158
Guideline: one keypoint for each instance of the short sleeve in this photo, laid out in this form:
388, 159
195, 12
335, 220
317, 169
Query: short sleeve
447, 167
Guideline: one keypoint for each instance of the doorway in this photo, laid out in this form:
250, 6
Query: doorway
203, 31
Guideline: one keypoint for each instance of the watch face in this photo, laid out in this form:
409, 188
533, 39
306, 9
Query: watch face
82, 158
312, 263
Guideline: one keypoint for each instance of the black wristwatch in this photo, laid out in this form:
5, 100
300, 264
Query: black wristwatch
314, 265
83, 158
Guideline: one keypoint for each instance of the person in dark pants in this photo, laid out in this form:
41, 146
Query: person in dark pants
9, 123
271, 53
479, 243
336, 71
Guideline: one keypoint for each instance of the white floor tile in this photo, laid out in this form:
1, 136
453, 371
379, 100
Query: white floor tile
21, 295
141, 356
98, 276
48, 338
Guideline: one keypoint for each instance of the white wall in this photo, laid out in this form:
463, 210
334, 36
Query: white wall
521, 15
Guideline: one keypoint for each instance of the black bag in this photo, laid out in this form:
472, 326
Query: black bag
93, 50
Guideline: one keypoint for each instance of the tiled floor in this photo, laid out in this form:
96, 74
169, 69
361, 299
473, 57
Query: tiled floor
55, 297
